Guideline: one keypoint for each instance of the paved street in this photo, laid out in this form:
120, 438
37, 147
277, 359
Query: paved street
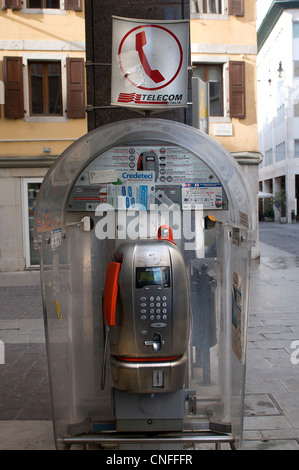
272, 384
282, 236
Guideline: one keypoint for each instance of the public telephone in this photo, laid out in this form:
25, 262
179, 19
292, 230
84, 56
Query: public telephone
164, 377
146, 310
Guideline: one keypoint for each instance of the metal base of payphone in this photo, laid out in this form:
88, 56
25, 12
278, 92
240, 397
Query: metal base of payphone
132, 431
187, 440
194, 432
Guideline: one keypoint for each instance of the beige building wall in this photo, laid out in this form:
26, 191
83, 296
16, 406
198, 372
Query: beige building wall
30, 144
223, 39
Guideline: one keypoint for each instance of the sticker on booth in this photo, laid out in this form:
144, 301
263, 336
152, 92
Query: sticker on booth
149, 63
135, 190
237, 320
209, 195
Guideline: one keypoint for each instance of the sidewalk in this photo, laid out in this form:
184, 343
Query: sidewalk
272, 384
272, 381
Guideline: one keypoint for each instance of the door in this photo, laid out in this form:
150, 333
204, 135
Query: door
30, 192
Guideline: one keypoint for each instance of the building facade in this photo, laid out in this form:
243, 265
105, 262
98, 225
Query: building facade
278, 100
42, 91
223, 53
42, 106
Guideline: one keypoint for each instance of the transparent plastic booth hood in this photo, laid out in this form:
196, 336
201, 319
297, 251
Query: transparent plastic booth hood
115, 187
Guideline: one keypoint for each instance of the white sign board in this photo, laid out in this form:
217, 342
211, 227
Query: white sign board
149, 63
223, 129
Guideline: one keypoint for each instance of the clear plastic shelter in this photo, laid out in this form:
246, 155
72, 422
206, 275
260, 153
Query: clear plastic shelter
122, 182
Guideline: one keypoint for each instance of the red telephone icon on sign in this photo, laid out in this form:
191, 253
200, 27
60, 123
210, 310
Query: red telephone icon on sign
155, 75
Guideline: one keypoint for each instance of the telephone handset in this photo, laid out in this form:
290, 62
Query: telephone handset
146, 313
110, 293
155, 75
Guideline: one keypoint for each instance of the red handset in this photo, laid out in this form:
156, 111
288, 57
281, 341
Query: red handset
155, 75
110, 293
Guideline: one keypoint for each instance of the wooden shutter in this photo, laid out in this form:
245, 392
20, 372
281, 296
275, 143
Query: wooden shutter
236, 7
75, 5
75, 88
13, 4
14, 90
237, 89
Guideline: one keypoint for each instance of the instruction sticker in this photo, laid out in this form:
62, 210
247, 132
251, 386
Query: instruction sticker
135, 190
207, 194
56, 238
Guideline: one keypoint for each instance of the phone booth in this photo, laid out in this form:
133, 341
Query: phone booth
144, 229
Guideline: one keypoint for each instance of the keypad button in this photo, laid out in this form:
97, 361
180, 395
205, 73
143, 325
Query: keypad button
152, 298
152, 317
164, 310
143, 317
164, 317
158, 317
143, 310
143, 304
158, 310
142, 299
158, 325
164, 304
158, 304
152, 304
158, 298
152, 310
143, 332
164, 297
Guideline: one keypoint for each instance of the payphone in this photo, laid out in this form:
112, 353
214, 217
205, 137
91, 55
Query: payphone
144, 229
151, 324
147, 315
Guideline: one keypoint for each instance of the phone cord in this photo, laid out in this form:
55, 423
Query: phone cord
103, 375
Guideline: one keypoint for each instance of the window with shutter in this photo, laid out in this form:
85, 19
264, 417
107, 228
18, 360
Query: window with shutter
13, 4
13, 82
236, 7
75, 88
237, 89
213, 74
75, 5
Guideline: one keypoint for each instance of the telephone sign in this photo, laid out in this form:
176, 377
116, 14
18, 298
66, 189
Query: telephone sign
149, 63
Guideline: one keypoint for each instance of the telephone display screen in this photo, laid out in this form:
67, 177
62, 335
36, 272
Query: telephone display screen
151, 276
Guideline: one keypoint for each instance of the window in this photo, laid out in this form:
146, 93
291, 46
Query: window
43, 3
296, 109
296, 68
45, 88
30, 192
280, 152
75, 5
207, 6
214, 75
296, 148
217, 7
268, 157
47, 81
296, 29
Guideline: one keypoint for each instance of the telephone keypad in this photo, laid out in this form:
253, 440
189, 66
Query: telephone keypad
154, 308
